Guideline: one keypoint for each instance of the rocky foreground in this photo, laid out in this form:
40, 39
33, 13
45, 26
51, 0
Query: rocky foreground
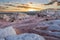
45, 27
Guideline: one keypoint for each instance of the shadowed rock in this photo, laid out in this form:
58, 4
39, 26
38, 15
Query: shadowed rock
2, 39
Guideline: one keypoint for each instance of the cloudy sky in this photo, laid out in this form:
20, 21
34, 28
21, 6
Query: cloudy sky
16, 5
25, 1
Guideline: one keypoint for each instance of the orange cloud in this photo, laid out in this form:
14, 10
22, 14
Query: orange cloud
25, 7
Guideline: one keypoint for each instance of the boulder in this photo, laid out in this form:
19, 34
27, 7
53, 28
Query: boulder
2, 39
25, 36
7, 32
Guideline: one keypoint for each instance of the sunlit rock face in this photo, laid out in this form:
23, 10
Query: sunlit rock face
6, 18
22, 16
26, 36
50, 12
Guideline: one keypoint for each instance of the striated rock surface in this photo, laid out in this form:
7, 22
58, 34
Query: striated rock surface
46, 23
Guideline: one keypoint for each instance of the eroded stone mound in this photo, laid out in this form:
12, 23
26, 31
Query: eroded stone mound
7, 32
26, 36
